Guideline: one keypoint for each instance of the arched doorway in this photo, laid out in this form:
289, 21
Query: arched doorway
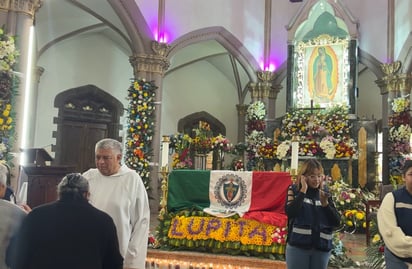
86, 115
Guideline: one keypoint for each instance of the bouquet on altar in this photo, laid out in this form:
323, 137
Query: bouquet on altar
202, 143
324, 134
180, 147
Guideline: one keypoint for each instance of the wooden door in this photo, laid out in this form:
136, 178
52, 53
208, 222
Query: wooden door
79, 142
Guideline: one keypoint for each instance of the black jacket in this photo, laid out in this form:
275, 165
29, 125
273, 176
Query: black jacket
67, 234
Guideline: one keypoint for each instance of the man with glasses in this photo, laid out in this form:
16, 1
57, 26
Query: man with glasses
120, 192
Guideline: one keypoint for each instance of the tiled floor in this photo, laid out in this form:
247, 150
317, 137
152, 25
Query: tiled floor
355, 245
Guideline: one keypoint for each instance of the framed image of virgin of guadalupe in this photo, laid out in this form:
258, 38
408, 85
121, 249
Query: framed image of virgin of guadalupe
321, 73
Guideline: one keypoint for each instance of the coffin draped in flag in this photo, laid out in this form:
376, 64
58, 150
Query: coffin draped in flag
252, 195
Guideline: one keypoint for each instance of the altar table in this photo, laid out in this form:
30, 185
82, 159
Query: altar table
223, 211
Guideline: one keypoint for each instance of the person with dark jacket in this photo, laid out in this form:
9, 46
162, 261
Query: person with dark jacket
69, 233
312, 218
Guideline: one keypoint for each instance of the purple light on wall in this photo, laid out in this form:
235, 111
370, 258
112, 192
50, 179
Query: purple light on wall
162, 37
270, 67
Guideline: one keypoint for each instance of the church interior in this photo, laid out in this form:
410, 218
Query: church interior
254, 75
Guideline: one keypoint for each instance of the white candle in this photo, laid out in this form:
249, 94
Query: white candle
295, 152
165, 151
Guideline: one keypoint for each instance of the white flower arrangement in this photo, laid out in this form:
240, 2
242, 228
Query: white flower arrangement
328, 147
400, 133
256, 139
256, 111
8, 52
400, 104
282, 149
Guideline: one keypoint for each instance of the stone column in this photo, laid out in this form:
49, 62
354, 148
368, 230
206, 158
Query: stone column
241, 121
18, 16
151, 67
392, 85
37, 73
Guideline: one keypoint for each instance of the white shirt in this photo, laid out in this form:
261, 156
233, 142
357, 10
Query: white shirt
124, 197
395, 239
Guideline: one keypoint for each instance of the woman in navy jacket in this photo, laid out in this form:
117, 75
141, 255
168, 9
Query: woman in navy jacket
312, 217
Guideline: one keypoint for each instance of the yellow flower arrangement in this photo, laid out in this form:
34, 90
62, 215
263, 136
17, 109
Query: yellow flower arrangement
355, 217
248, 232
8, 86
233, 235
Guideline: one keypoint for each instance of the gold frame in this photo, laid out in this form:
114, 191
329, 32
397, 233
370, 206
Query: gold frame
335, 90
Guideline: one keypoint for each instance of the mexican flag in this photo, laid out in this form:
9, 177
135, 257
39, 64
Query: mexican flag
258, 195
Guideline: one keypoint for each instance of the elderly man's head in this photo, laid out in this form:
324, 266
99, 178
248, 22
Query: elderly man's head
73, 187
108, 155
4, 172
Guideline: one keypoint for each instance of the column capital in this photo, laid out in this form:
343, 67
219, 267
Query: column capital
242, 109
26, 7
149, 63
393, 83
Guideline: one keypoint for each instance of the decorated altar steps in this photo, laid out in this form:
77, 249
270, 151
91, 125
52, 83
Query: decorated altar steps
159, 259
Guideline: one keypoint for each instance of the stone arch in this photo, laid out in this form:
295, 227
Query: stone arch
223, 37
188, 123
135, 25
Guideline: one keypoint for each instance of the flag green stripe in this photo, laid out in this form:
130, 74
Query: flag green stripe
188, 189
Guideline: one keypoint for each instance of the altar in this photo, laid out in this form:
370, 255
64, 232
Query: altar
226, 212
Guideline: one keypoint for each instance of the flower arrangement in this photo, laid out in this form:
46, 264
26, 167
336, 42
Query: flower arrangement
354, 218
8, 52
374, 252
234, 235
180, 146
268, 150
349, 202
256, 112
325, 133
283, 149
141, 96
237, 165
399, 136
221, 143
202, 143
152, 241
255, 136
8, 90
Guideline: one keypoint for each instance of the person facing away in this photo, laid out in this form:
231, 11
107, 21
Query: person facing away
312, 218
395, 223
10, 220
68, 233
120, 192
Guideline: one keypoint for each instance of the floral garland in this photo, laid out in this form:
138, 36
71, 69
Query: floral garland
8, 90
234, 235
141, 96
399, 136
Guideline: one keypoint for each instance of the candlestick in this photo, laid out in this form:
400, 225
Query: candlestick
295, 153
165, 150
164, 173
